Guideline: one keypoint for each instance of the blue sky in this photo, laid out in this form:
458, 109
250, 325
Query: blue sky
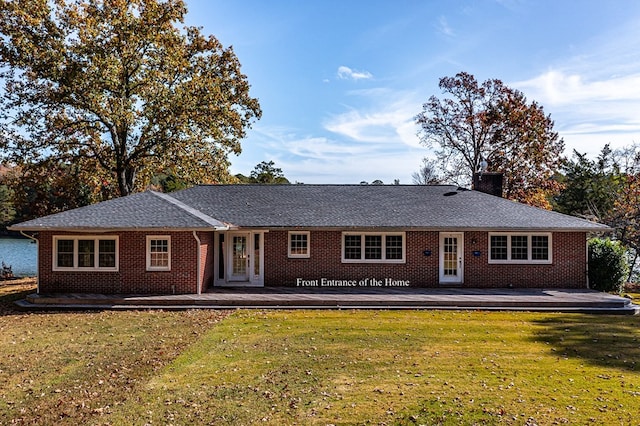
340, 82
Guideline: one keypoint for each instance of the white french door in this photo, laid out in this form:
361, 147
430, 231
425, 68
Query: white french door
451, 257
239, 257
244, 258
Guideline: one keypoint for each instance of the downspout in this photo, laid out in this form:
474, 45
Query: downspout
37, 259
587, 268
198, 262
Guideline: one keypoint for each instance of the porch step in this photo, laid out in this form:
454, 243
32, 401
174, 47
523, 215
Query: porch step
476, 299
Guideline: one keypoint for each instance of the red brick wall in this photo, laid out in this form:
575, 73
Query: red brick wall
567, 270
326, 260
132, 276
206, 259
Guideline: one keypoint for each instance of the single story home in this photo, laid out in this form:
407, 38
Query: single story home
307, 236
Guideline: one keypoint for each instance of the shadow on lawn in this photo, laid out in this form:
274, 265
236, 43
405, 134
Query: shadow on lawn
610, 341
7, 307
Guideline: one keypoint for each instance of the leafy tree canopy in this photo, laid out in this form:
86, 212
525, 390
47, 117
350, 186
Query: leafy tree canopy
264, 172
625, 215
53, 186
170, 182
494, 123
590, 186
607, 190
7, 210
117, 82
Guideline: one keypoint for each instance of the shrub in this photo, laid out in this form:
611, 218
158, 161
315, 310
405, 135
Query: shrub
608, 267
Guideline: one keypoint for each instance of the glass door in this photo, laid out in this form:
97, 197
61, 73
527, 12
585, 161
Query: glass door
240, 261
239, 257
451, 257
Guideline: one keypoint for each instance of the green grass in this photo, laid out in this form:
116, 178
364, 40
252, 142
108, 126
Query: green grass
319, 367
74, 368
634, 296
402, 367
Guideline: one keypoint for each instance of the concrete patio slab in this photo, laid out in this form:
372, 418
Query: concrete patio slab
548, 300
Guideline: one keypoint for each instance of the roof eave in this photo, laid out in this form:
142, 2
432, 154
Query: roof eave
101, 230
599, 229
229, 227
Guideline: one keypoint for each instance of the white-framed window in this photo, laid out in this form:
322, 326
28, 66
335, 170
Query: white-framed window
373, 247
299, 244
158, 253
518, 247
85, 253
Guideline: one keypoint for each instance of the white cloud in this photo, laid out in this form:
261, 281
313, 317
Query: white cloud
443, 27
346, 73
510, 4
388, 119
594, 96
332, 159
589, 112
376, 127
592, 143
560, 88
284, 142
320, 148
365, 164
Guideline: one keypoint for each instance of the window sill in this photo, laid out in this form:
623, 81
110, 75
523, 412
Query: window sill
85, 269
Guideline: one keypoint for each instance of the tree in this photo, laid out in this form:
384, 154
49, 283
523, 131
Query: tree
607, 190
171, 183
54, 186
116, 82
7, 210
625, 215
494, 123
427, 174
608, 266
265, 172
590, 186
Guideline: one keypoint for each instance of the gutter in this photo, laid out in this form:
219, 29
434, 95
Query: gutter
37, 259
98, 230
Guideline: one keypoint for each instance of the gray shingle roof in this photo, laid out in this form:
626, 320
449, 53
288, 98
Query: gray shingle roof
314, 206
145, 210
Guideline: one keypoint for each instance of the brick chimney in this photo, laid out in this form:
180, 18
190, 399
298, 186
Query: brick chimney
488, 182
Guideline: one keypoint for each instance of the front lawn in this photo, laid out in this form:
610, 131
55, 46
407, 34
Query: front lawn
76, 367
319, 367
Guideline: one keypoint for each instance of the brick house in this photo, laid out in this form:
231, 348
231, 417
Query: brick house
307, 235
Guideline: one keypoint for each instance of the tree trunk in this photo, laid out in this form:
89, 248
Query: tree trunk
632, 266
126, 180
